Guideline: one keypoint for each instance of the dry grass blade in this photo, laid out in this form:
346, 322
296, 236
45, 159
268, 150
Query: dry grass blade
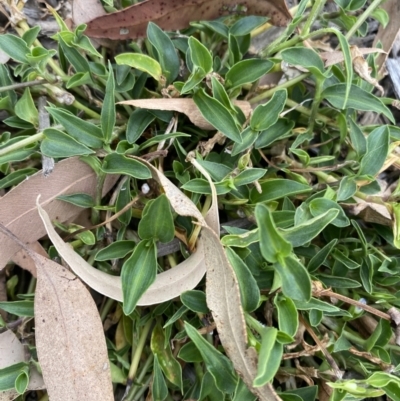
186, 106
70, 341
18, 207
131, 23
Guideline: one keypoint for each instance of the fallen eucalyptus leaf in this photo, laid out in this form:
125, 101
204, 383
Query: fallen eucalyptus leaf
131, 22
186, 106
18, 209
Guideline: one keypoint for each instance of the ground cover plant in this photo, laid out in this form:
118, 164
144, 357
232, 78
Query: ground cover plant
187, 216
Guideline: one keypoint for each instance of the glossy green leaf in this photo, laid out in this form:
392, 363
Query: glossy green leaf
319, 206
19, 308
138, 121
116, 250
9, 375
248, 138
79, 79
157, 222
123, 198
247, 71
209, 390
273, 246
377, 150
267, 114
15, 47
217, 115
288, 317
81, 130
306, 58
141, 62
169, 365
249, 291
59, 144
266, 363
81, 199
22, 380
108, 114
296, 282
317, 304
120, 164
242, 393
166, 52
281, 129
190, 353
200, 55
246, 25
219, 366
359, 99
159, 387
301, 234
241, 240
194, 79
16, 177
347, 188
319, 258
248, 176
195, 300
277, 188
219, 93
202, 186
138, 273
25, 108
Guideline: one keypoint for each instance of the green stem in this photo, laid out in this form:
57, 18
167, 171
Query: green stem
138, 352
21, 144
314, 14
315, 105
106, 308
307, 112
268, 93
361, 19
254, 324
88, 111
95, 218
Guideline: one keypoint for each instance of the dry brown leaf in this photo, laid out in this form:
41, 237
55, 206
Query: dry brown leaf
186, 106
336, 56
12, 352
223, 299
168, 284
388, 35
18, 207
131, 23
361, 67
369, 212
23, 260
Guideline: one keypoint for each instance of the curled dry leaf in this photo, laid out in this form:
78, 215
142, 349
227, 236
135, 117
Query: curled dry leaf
18, 207
12, 352
336, 56
131, 23
186, 106
361, 67
169, 284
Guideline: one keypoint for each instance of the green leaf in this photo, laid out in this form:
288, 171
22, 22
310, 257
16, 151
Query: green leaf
242, 393
9, 375
116, 250
317, 304
303, 233
318, 206
219, 93
162, 350
288, 317
194, 79
166, 52
273, 246
138, 121
19, 308
15, 47
241, 240
219, 366
16, 177
159, 387
347, 188
195, 300
59, 144
249, 291
141, 62
119, 164
200, 55
306, 58
81, 130
217, 115
22, 380
25, 108
247, 71
282, 128
359, 99
277, 188
79, 79
76, 59
138, 273
246, 25
319, 258
157, 222
81, 200
344, 45
248, 176
248, 138
267, 114
377, 150
190, 353
108, 115
296, 282
124, 197
270, 357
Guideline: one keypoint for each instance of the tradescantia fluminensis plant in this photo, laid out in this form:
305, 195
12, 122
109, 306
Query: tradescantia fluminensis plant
305, 273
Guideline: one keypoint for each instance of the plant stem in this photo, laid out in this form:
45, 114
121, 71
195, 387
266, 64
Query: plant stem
21, 144
23, 85
314, 13
138, 352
